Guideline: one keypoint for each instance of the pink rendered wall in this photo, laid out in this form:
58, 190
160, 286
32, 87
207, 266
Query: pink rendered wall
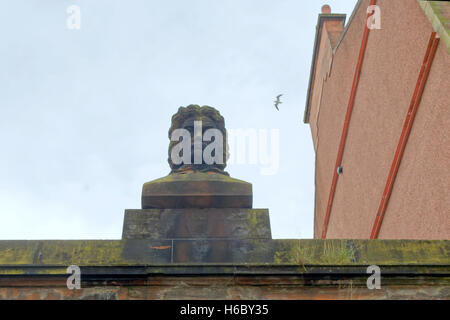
334, 97
420, 205
420, 201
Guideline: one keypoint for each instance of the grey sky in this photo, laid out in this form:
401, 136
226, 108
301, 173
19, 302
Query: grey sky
84, 114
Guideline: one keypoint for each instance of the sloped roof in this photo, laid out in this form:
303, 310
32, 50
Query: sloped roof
322, 17
438, 12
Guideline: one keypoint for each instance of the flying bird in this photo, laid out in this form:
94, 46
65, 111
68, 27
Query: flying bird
277, 102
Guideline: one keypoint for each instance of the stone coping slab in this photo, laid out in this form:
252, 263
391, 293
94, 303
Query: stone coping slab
135, 252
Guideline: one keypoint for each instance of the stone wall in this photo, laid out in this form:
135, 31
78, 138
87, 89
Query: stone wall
269, 269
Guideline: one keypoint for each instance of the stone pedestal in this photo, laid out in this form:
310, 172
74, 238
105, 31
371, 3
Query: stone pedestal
197, 211
210, 223
200, 235
197, 190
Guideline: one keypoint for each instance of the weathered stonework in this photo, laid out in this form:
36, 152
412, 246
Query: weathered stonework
196, 190
197, 237
210, 223
263, 269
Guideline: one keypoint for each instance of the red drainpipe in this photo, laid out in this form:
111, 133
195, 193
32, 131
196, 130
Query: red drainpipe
351, 102
407, 125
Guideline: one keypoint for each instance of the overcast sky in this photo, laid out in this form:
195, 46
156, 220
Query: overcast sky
84, 114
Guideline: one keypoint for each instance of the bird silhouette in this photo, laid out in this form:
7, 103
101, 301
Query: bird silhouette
277, 102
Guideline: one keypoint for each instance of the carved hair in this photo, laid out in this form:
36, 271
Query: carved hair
197, 112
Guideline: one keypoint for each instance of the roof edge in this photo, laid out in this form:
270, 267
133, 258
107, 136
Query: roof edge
432, 10
321, 18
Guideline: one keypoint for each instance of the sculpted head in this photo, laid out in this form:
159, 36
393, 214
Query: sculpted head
202, 135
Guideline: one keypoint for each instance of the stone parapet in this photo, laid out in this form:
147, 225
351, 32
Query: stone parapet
256, 269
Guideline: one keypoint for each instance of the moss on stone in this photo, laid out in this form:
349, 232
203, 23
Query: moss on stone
434, 12
302, 253
256, 222
352, 252
61, 252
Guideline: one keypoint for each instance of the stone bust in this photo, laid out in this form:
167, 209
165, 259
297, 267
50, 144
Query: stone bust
187, 118
198, 152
